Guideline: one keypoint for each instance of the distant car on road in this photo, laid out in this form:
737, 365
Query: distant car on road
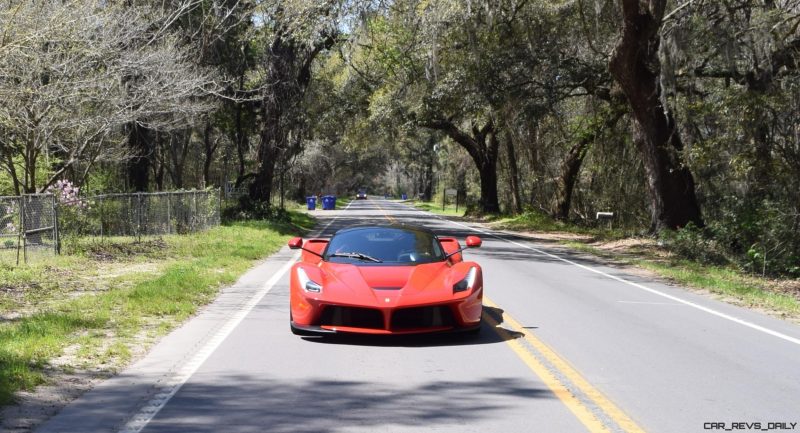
385, 279
362, 195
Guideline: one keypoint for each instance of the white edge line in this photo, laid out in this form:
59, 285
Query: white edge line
742, 322
150, 409
649, 303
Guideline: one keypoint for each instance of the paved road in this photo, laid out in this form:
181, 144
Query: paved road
568, 344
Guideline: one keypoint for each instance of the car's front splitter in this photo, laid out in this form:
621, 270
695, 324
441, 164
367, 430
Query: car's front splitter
331, 330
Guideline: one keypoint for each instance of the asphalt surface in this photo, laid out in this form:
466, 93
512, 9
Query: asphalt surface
568, 344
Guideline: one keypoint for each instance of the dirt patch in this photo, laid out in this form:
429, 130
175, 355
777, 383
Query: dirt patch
108, 273
66, 377
552, 236
34, 407
120, 250
65, 382
787, 287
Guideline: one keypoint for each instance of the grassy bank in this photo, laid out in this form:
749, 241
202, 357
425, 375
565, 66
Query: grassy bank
94, 309
342, 202
537, 221
780, 297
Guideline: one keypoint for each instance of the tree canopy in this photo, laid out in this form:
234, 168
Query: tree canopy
674, 114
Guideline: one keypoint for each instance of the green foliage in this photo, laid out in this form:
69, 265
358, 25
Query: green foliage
248, 209
695, 244
759, 238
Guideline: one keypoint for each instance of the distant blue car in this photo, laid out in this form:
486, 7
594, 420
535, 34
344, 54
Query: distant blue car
362, 194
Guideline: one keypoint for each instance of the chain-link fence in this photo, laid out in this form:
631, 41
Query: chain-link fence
38, 222
28, 225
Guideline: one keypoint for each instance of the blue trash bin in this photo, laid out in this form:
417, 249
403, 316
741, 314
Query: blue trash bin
311, 202
404, 196
328, 202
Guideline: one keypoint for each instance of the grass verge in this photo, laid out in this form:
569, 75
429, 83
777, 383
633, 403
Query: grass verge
342, 202
538, 221
449, 209
773, 296
100, 307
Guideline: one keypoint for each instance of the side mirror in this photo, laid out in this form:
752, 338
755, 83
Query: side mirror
473, 242
296, 243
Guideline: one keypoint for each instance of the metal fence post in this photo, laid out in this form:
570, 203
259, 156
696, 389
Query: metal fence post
139, 217
219, 207
21, 229
169, 209
101, 203
23, 221
56, 237
194, 217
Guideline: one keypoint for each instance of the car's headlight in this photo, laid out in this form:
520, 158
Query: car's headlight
467, 282
306, 283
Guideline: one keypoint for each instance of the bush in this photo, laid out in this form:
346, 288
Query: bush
248, 209
693, 243
759, 238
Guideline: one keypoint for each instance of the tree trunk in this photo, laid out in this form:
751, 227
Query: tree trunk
159, 168
635, 66
261, 188
301, 188
139, 142
210, 148
179, 147
288, 76
483, 154
489, 201
488, 175
572, 163
240, 138
570, 167
427, 186
513, 173
430, 160
10, 167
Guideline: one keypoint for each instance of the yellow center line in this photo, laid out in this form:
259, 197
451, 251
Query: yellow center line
572, 403
389, 217
578, 408
563, 367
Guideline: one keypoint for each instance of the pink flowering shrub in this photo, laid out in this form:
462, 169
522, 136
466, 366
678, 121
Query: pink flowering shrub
66, 193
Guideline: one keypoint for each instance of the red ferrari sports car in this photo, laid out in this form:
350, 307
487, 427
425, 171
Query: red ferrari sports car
391, 279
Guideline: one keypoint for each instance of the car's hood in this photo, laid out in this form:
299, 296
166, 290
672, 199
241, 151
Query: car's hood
386, 285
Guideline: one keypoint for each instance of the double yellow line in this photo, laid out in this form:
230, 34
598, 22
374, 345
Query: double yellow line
557, 365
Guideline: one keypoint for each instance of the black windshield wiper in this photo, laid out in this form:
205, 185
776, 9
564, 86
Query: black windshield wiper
356, 256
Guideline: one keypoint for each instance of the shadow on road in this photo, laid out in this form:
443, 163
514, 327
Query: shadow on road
237, 403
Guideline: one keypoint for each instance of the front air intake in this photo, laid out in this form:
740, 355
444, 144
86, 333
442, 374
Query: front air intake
353, 317
423, 317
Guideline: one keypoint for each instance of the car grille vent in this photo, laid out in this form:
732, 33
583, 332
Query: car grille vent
387, 288
352, 317
422, 317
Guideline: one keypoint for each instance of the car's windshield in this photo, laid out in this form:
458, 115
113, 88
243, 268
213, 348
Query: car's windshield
386, 245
